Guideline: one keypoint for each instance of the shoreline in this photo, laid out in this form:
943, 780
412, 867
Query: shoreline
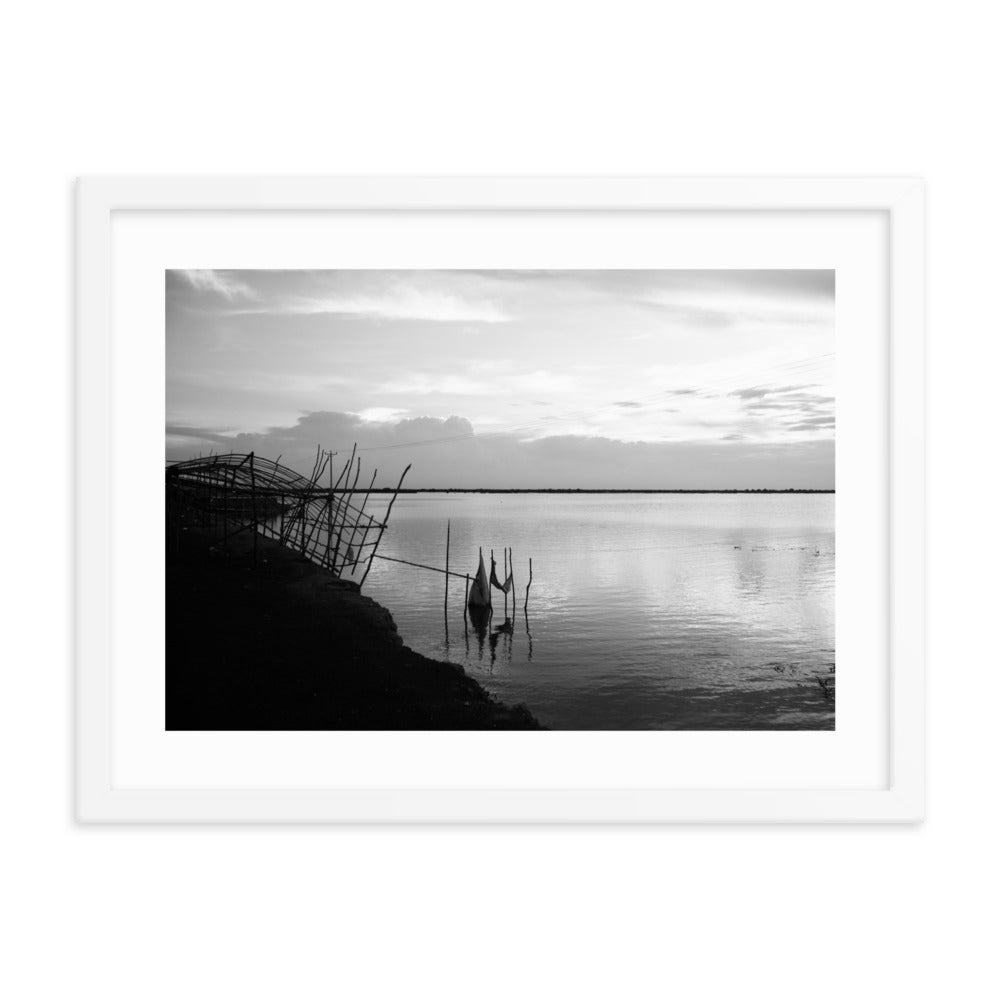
284, 645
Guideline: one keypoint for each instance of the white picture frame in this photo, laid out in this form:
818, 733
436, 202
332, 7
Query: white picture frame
98, 799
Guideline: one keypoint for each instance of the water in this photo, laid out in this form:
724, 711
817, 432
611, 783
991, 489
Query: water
647, 611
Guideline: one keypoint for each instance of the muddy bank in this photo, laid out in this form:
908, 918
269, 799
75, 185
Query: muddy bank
283, 645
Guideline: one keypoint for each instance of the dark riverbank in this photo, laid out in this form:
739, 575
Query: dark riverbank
284, 645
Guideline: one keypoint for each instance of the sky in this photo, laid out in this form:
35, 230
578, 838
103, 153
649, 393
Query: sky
617, 379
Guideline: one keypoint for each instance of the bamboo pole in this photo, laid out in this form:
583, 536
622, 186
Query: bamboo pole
336, 517
447, 556
329, 522
243, 490
357, 523
342, 510
312, 507
505, 582
253, 507
307, 498
342, 496
327, 457
225, 513
416, 565
513, 588
447, 564
382, 529
465, 614
364, 541
527, 589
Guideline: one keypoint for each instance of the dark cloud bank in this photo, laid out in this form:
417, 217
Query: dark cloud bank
448, 453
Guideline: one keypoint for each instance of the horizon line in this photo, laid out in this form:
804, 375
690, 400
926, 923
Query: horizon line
575, 489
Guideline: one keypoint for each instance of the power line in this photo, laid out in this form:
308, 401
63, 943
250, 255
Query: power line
417, 444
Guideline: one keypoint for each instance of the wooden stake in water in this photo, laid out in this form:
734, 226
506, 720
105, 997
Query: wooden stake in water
505, 582
381, 530
447, 556
513, 588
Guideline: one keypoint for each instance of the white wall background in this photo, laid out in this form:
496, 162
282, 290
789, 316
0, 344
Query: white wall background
512, 87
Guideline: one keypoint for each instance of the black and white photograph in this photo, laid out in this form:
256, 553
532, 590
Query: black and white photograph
500, 499
571, 431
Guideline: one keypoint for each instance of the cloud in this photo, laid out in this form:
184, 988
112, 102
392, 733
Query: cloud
449, 453
763, 405
756, 392
498, 383
255, 350
767, 285
222, 283
340, 431
788, 402
813, 423
725, 299
181, 432
540, 381
380, 414
811, 398
685, 284
422, 384
401, 303
689, 315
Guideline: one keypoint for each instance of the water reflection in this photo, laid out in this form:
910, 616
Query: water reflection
491, 637
651, 611
480, 618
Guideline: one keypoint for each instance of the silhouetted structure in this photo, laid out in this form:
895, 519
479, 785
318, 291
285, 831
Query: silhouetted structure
237, 493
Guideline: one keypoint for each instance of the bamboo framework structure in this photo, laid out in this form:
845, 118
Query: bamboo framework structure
327, 524
234, 493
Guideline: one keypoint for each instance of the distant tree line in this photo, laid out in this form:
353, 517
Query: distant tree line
467, 489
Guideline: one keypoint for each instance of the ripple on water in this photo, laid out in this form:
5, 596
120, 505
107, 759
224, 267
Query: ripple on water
646, 611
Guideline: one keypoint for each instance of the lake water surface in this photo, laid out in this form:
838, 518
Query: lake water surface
646, 611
